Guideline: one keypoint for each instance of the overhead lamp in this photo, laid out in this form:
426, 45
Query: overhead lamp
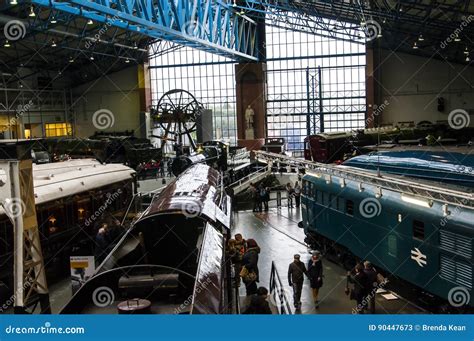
379, 34
53, 20
71, 60
400, 9
417, 201
127, 61
384, 21
90, 22
13, 2
468, 59
466, 51
415, 47
53, 43
457, 39
135, 46
421, 38
362, 23
91, 57
7, 44
32, 12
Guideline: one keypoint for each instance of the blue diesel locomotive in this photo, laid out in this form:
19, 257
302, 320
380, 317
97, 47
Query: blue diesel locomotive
424, 244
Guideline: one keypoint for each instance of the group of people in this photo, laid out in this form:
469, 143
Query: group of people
260, 197
293, 192
296, 273
365, 281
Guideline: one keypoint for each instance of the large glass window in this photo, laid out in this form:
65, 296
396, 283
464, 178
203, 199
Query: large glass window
58, 129
307, 74
210, 78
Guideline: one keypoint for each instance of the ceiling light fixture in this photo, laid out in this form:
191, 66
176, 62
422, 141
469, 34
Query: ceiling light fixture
71, 60
7, 44
421, 38
32, 12
415, 47
90, 22
457, 39
13, 2
91, 57
468, 59
127, 61
135, 46
53, 43
53, 20
466, 51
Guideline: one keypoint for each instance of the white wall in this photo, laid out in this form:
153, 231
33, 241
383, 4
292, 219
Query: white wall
412, 84
117, 93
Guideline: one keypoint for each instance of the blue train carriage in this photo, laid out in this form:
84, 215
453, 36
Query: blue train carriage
410, 239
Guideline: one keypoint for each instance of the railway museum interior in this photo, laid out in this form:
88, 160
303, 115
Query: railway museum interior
236, 157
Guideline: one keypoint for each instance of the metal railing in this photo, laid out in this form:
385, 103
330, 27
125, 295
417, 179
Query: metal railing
402, 185
278, 293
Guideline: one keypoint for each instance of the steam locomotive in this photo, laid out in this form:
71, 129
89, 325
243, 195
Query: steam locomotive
173, 258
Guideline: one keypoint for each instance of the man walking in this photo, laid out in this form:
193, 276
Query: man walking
370, 286
296, 272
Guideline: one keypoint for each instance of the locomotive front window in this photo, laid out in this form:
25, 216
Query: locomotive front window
418, 230
350, 207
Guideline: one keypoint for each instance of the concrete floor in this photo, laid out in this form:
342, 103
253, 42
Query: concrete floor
279, 238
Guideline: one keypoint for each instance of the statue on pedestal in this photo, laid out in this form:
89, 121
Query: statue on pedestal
249, 131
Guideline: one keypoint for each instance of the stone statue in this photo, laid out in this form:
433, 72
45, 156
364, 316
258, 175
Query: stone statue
249, 114
249, 131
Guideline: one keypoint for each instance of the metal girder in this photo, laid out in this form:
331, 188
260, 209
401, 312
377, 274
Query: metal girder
208, 25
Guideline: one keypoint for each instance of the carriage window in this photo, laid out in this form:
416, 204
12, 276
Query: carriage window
340, 205
305, 187
350, 207
319, 197
333, 202
418, 230
326, 199
392, 245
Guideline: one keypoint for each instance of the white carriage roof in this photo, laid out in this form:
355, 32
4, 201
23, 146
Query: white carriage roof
58, 180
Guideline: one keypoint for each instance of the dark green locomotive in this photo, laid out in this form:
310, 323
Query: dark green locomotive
425, 243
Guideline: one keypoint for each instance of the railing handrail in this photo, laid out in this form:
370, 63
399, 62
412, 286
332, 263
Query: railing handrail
276, 289
391, 182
